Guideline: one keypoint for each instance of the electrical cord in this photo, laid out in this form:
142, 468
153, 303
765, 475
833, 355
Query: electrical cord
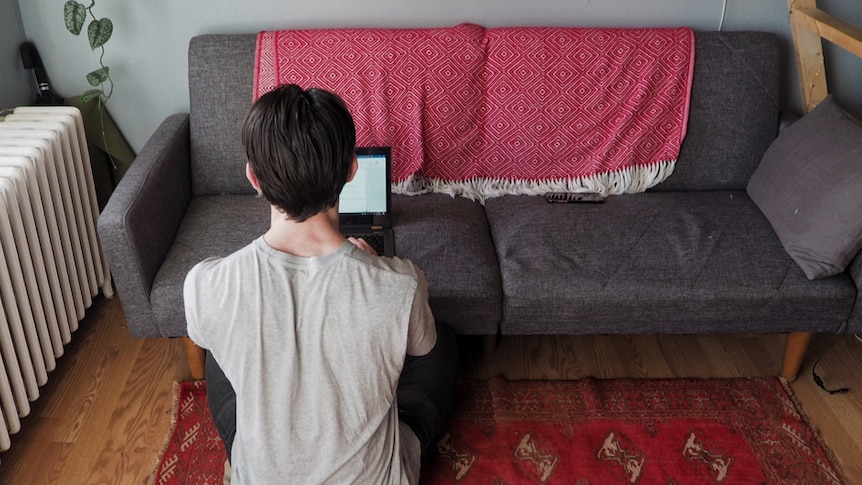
723, 13
819, 381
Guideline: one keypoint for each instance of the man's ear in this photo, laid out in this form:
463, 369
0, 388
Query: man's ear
354, 167
252, 178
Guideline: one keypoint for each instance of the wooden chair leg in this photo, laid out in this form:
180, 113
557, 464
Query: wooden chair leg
196, 357
795, 348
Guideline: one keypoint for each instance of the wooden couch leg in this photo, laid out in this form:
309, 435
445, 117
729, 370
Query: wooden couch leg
196, 357
794, 352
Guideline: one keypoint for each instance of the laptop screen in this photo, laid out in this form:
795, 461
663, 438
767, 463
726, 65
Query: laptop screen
368, 193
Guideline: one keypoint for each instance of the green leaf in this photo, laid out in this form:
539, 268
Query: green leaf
98, 76
89, 95
99, 32
75, 14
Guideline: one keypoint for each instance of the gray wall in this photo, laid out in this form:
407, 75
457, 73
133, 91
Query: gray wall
17, 85
148, 61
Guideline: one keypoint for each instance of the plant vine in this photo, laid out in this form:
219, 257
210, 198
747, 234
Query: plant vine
99, 31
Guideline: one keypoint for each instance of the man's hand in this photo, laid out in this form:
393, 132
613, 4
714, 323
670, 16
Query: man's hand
361, 244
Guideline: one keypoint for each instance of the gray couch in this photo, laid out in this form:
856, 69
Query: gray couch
693, 255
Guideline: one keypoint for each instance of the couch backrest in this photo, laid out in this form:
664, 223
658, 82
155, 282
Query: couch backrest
734, 111
733, 114
221, 71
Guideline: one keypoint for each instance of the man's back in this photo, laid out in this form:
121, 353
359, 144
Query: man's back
314, 348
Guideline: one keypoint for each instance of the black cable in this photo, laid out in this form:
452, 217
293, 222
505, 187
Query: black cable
819, 381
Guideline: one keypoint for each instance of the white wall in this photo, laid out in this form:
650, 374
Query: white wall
147, 54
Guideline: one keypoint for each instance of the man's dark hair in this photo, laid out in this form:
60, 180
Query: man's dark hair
300, 144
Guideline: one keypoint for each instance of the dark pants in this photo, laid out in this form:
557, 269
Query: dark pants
425, 392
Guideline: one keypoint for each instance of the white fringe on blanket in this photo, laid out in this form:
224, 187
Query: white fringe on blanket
631, 180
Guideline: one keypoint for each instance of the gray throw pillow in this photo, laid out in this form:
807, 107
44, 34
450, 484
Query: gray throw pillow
809, 187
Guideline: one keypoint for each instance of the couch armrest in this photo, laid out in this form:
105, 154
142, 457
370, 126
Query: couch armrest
854, 323
140, 221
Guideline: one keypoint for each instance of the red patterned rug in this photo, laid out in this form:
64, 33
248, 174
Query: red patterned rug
194, 453
626, 431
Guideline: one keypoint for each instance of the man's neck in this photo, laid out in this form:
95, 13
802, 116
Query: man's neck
316, 236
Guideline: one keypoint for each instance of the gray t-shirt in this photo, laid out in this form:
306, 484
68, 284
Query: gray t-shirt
314, 348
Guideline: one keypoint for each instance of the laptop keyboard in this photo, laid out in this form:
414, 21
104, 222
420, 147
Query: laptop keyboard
374, 239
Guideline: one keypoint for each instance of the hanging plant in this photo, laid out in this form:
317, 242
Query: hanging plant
98, 33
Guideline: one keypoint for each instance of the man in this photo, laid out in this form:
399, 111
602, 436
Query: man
324, 361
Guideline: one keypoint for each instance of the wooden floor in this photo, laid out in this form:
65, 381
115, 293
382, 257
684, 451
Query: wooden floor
105, 412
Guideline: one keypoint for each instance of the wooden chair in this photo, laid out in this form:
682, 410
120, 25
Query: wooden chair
810, 26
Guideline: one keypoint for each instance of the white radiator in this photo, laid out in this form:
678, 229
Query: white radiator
51, 260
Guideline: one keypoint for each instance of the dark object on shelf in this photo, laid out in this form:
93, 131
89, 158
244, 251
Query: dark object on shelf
31, 59
110, 153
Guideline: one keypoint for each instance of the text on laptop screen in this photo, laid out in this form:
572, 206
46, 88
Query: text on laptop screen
366, 193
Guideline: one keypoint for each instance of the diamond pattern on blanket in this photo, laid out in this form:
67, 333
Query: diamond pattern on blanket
563, 102
416, 90
509, 104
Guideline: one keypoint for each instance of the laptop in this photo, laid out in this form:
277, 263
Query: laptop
364, 208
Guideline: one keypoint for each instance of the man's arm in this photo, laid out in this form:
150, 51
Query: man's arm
422, 332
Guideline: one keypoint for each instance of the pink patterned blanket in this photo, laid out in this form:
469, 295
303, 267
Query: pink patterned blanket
485, 112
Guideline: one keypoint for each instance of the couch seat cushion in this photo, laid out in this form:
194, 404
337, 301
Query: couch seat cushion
449, 239
666, 262
213, 226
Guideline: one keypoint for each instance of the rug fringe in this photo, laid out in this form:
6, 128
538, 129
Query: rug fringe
626, 181
830, 455
175, 401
